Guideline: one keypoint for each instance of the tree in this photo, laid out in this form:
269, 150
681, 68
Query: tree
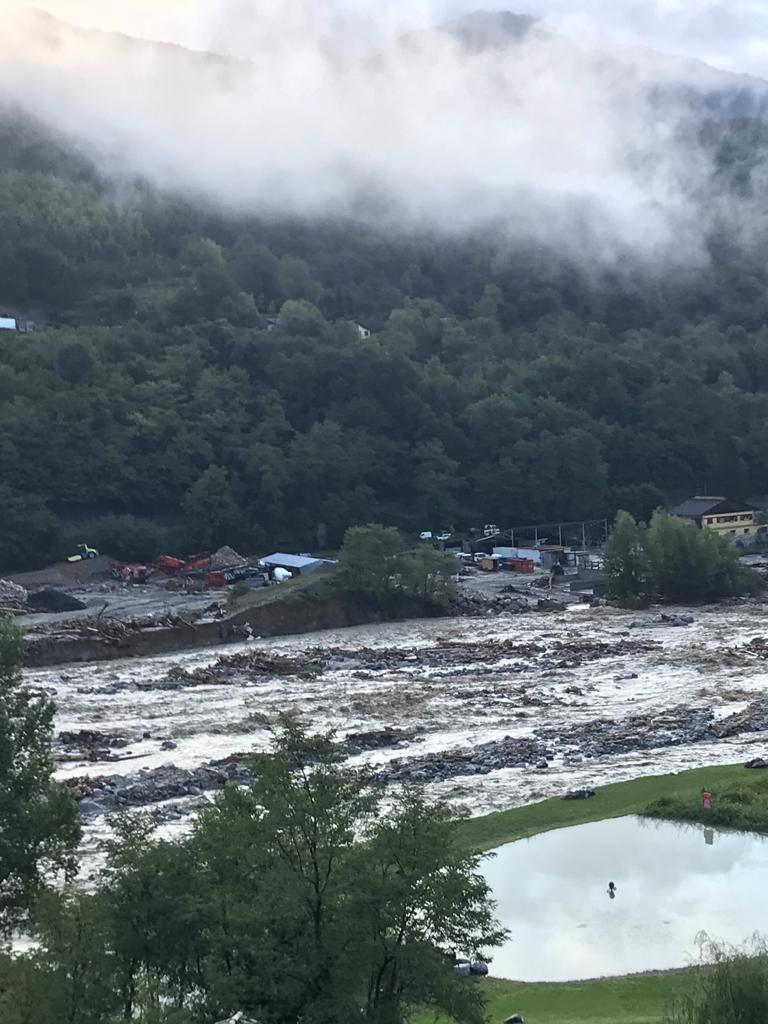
210, 507
421, 894
39, 823
690, 564
358, 928
366, 557
626, 560
673, 561
427, 574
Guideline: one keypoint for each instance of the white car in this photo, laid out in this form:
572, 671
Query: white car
425, 535
445, 535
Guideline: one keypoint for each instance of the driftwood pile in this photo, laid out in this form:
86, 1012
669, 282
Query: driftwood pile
115, 630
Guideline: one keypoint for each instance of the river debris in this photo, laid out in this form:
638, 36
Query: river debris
379, 739
90, 745
112, 630
106, 794
578, 794
756, 762
13, 598
593, 739
445, 658
509, 752
665, 619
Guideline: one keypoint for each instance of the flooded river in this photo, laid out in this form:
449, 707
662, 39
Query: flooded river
560, 700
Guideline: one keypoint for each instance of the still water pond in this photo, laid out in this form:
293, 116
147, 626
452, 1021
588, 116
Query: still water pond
672, 883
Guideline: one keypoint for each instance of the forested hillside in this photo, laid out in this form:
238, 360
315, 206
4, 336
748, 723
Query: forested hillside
502, 382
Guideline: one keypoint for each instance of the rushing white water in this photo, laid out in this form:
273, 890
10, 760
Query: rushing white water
455, 704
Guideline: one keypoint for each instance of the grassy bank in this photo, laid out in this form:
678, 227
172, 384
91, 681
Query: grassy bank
740, 800
737, 803
637, 999
681, 792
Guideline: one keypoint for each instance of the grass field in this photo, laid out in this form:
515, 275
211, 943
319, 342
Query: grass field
638, 999
635, 999
682, 790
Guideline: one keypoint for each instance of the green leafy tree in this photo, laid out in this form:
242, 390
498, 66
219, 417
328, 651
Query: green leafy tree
366, 557
427, 574
626, 560
40, 827
421, 893
211, 510
689, 564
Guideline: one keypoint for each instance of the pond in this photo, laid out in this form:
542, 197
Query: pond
673, 883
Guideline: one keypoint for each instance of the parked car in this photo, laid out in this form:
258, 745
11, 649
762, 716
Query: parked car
425, 535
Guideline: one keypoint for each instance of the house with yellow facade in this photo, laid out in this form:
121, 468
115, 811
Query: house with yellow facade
724, 516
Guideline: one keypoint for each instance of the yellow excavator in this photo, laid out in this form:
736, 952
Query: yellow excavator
83, 553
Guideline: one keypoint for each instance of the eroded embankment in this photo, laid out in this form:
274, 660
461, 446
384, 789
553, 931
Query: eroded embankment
294, 615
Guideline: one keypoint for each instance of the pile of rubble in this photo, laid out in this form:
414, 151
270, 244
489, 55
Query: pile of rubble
227, 558
476, 603
13, 598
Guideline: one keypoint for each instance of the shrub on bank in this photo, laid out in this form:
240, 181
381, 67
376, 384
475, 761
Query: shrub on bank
742, 806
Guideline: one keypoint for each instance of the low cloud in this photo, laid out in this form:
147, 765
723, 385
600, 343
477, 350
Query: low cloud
552, 137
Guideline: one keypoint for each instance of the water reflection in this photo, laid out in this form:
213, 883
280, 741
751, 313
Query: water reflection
551, 894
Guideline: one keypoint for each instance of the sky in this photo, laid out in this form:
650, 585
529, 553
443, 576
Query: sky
732, 34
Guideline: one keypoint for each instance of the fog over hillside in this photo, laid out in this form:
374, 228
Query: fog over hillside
566, 138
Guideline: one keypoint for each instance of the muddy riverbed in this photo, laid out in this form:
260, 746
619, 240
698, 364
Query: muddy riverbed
489, 713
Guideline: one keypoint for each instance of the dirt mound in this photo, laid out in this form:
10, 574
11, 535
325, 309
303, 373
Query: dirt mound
66, 574
227, 558
50, 600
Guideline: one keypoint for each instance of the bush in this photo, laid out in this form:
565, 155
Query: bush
733, 991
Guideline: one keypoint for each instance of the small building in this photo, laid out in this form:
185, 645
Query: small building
724, 516
362, 330
12, 323
299, 565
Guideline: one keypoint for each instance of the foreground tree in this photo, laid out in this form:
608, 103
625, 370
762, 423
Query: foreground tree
39, 826
302, 898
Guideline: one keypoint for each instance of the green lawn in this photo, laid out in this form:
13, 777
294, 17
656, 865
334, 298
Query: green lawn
639, 999
609, 802
635, 999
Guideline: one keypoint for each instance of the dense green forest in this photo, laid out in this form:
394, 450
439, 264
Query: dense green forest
502, 382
